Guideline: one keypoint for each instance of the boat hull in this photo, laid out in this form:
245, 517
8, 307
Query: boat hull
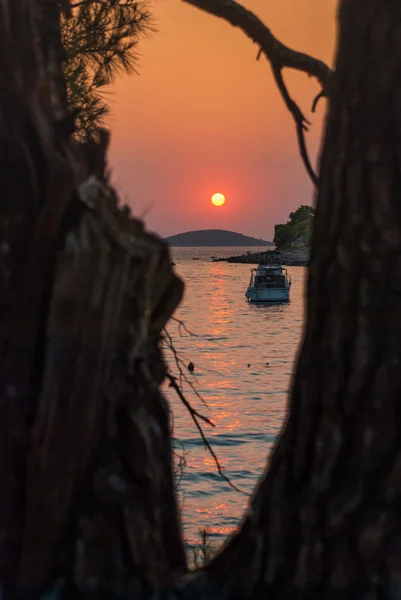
268, 295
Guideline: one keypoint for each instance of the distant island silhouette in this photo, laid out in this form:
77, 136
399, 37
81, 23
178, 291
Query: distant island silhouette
214, 237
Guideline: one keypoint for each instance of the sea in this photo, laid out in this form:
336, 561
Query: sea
243, 356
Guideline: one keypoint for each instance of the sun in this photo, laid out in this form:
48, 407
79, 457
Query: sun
218, 199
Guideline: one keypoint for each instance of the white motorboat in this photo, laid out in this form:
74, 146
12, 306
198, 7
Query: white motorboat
269, 282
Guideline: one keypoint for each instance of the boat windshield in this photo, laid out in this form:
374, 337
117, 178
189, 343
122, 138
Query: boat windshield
269, 279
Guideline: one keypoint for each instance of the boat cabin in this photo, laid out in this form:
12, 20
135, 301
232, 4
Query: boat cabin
269, 277
269, 284
269, 281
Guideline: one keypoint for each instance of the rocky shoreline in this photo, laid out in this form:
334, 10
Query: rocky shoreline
294, 257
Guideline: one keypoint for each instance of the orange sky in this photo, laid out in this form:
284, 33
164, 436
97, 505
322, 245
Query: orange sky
203, 116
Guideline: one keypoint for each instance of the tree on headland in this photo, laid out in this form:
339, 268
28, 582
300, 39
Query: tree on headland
87, 501
100, 40
303, 213
297, 229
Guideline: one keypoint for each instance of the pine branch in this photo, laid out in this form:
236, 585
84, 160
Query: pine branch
100, 38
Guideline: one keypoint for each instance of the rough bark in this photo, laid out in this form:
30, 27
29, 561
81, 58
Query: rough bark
85, 458
326, 518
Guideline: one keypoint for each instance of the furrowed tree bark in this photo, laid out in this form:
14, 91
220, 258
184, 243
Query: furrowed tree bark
85, 457
326, 519
87, 494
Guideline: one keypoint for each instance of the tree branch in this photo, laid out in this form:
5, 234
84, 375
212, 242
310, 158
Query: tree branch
195, 415
279, 56
301, 123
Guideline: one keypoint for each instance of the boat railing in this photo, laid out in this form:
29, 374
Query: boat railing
270, 267
264, 286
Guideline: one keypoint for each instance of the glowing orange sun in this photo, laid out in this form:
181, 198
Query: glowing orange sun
218, 199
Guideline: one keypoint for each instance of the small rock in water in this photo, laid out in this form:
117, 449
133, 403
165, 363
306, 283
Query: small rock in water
191, 367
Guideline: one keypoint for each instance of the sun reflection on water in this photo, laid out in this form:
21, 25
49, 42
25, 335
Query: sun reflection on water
246, 403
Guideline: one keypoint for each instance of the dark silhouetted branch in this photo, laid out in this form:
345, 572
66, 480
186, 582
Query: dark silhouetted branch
279, 56
316, 100
301, 123
195, 415
179, 362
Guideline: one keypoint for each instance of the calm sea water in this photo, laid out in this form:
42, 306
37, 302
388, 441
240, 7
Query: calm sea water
246, 403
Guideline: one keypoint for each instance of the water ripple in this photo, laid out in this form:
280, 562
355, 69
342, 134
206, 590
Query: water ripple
246, 403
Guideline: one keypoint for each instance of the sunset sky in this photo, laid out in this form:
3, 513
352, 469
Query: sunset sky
204, 116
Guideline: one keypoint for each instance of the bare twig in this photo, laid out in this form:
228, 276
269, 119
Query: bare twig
195, 416
181, 461
180, 465
181, 365
147, 210
279, 56
182, 326
193, 412
316, 100
301, 123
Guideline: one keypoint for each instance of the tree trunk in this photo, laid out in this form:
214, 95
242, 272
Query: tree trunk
327, 515
86, 460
